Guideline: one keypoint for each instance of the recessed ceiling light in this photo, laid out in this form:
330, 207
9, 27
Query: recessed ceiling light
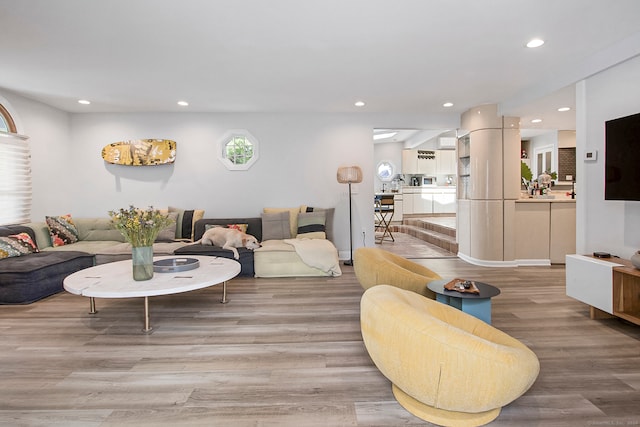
359, 104
447, 104
183, 103
84, 102
536, 121
535, 43
564, 109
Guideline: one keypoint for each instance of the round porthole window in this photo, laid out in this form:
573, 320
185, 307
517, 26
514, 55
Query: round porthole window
385, 170
238, 150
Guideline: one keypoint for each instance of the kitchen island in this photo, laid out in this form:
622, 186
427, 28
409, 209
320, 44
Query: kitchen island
429, 200
545, 230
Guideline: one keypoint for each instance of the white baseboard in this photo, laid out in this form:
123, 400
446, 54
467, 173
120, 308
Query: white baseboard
514, 263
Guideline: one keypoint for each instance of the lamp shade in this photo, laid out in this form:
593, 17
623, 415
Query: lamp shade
349, 174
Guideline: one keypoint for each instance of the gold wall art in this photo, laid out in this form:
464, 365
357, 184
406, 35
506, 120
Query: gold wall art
140, 152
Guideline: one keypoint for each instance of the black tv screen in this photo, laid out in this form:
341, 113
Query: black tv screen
622, 158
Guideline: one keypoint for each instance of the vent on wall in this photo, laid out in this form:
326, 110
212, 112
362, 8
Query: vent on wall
447, 143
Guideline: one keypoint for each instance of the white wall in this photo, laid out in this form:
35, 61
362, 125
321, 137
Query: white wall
299, 157
610, 226
49, 135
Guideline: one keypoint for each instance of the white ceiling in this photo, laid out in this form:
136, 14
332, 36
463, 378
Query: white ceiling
402, 56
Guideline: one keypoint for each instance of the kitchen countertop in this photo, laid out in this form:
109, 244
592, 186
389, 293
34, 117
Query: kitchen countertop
430, 187
543, 200
411, 189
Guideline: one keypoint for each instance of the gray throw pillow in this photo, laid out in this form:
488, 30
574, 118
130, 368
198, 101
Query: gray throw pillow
168, 234
275, 226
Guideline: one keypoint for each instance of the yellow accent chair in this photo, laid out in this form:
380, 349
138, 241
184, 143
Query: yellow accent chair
375, 266
445, 366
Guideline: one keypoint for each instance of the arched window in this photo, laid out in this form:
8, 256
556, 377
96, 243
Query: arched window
6, 121
15, 173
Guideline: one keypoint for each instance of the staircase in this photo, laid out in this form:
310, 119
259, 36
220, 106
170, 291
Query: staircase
430, 231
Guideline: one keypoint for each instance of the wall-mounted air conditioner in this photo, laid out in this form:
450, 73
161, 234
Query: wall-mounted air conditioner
447, 143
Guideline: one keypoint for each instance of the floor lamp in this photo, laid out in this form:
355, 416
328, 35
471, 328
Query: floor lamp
350, 175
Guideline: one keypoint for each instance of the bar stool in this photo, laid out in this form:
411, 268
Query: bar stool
383, 210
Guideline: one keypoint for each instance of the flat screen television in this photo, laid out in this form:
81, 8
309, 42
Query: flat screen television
622, 158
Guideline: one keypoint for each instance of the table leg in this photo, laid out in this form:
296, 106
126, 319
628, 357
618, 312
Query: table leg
224, 299
92, 305
480, 308
147, 326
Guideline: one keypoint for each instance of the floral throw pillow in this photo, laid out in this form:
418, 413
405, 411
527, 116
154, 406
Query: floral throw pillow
62, 230
17, 245
239, 227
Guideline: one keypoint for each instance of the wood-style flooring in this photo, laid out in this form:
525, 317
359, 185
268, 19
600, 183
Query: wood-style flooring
288, 352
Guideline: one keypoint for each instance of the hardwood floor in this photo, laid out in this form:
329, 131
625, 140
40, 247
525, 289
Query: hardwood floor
288, 352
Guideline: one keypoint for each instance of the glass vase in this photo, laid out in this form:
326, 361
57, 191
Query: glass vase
142, 260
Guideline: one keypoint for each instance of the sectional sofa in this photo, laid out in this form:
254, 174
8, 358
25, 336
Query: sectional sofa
33, 276
296, 242
39, 271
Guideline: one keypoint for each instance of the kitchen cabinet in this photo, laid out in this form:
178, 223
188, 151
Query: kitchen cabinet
407, 203
412, 201
533, 225
410, 162
429, 200
422, 203
563, 231
446, 162
398, 209
545, 230
464, 167
444, 201
419, 162
427, 162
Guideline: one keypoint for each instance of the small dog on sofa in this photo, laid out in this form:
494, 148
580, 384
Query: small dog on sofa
229, 239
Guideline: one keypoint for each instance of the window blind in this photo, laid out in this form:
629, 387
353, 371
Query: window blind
15, 179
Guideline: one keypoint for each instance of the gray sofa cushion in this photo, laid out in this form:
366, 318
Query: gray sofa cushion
32, 277
245, 260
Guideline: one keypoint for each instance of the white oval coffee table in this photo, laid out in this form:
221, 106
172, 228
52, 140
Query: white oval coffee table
115, 280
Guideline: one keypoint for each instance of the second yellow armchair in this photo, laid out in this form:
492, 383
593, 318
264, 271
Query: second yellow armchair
374, 266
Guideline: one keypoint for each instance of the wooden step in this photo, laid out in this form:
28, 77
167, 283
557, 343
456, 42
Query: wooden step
428, 225
437, 238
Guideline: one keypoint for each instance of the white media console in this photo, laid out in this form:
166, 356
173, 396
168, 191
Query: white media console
607, 285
